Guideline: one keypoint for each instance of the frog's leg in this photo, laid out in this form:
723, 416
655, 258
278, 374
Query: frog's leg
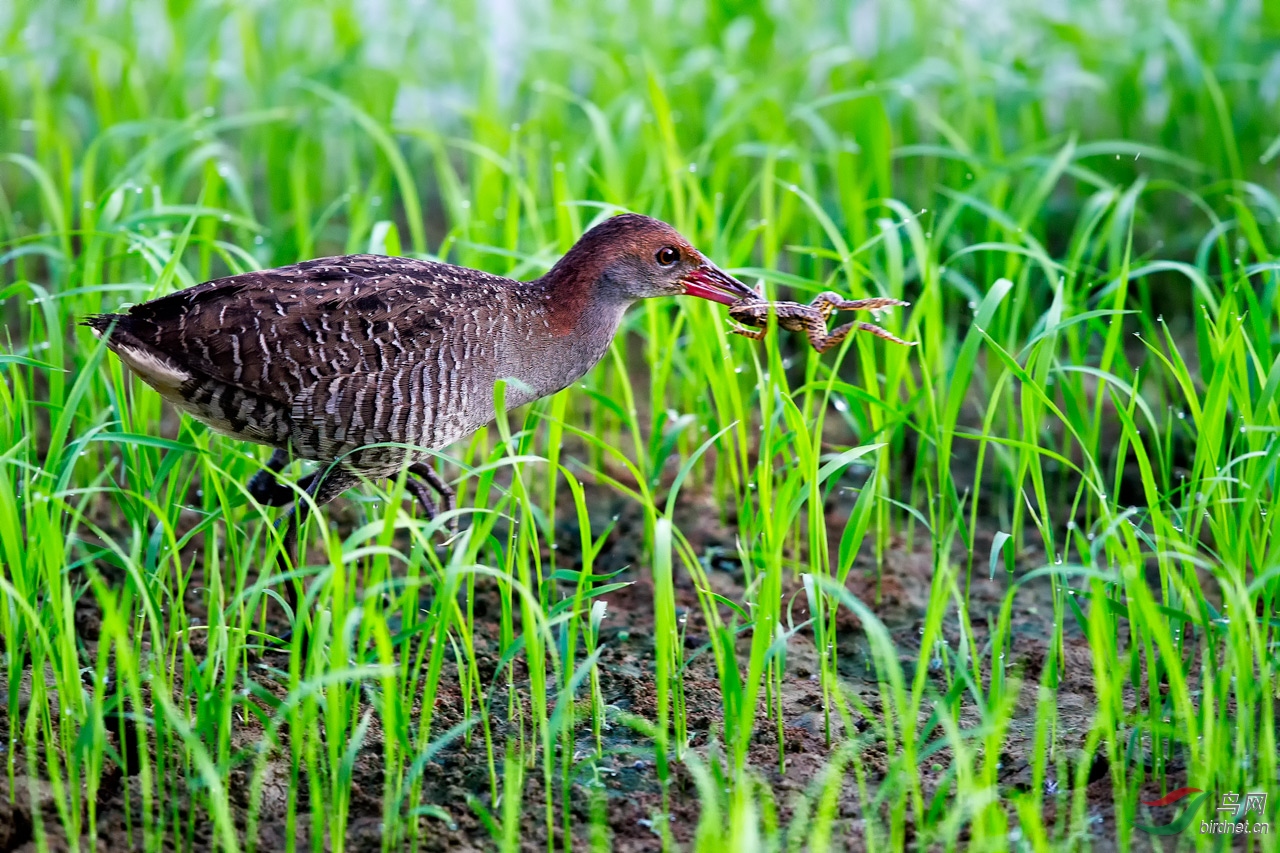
828, 303
822, 342
882, 333
816, 329
748, 332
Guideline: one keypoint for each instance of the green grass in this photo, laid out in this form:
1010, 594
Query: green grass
1081, 206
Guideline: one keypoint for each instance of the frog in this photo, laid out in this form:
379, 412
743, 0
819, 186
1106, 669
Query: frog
753, 314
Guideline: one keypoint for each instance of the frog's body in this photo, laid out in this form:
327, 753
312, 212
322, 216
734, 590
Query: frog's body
811, 319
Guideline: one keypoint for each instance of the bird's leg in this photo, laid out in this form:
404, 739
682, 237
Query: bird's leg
428, 476
748, 332
418, 489
324, 486
265, 487
321, 488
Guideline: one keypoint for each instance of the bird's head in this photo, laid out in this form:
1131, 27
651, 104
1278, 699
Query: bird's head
630, 257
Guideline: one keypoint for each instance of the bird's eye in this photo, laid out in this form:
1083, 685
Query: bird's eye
667, 256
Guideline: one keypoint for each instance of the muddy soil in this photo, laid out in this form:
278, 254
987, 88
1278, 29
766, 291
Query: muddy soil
625, 783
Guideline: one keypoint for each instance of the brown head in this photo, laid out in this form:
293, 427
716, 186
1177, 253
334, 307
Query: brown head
630, 257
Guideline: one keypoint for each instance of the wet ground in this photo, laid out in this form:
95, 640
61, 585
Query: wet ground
625, 782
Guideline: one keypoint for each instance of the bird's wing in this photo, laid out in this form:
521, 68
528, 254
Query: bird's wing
277, 332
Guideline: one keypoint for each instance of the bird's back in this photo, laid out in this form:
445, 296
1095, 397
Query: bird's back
327, 355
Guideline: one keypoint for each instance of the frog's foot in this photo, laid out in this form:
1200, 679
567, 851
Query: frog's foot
748, 332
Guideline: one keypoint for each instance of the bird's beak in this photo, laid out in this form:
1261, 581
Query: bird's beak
708, 281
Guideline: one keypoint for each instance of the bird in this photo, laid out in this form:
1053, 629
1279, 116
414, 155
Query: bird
369, 364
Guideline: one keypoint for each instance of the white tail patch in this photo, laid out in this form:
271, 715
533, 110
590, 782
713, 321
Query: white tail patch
158, 372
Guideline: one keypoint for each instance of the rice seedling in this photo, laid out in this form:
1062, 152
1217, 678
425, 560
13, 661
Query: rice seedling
1012, 588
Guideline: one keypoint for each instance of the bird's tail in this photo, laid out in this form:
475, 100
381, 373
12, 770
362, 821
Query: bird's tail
100, 323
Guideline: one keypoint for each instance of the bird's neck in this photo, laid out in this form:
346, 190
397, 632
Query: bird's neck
567, 330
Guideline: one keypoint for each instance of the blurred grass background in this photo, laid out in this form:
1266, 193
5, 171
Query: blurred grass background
1079, 198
